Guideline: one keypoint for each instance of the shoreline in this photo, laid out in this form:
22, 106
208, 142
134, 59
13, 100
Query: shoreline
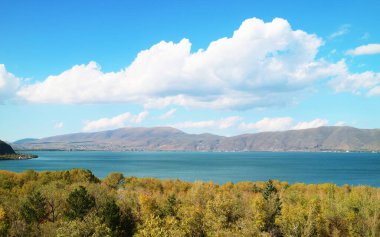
205, 151
18, 156
160, 179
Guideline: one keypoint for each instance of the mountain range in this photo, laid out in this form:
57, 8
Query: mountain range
330, 138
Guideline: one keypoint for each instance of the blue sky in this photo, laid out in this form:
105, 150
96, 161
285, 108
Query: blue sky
226, 67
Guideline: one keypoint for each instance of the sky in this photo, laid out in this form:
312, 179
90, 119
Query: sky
223, 67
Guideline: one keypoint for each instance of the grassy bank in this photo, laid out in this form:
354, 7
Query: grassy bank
76, 203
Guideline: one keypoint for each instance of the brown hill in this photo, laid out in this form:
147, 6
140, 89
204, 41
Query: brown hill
166, 138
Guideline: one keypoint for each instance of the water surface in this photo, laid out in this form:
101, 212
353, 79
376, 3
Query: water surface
220, 167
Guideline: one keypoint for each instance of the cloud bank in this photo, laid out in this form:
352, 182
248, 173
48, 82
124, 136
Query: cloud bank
261, 64
263, 125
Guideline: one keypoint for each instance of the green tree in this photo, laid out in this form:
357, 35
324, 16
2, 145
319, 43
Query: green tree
169, 208
272, 208
121, 224
269, 190
34, 209
79, 202
111, 215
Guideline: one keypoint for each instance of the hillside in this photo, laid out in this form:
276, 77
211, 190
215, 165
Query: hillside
171, 139
159, 138
24, 141
7, 153
314, 139
5, 149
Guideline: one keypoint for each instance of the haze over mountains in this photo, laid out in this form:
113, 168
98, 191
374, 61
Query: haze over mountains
171, 139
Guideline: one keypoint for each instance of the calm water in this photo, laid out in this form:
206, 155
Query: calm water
339, 168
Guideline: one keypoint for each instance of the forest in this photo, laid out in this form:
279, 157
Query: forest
77, 203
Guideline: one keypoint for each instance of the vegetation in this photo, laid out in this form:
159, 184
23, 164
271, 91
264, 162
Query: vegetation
17, 156
76, 203
7, 153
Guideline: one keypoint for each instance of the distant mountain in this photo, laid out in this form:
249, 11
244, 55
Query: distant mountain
313, 139
171, 139
159, 138
24, 141
5, 149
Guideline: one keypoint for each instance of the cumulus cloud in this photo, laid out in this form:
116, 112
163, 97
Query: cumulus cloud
209, 124
365, 50
118, 121
357, 83
281, 124
8, 83
261, 64
168, 114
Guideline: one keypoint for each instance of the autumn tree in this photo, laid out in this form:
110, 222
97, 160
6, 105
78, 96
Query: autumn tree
4, 223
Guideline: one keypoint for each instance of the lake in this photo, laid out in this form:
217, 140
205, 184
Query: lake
220, 167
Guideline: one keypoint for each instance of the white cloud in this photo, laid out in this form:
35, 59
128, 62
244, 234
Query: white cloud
281, 124
311, 124
269, 124
262, 64
58, 125
209, 124
374, 91
357, 83
168, 114
8, 83
140, 117
343, 29
118, 121
365, 49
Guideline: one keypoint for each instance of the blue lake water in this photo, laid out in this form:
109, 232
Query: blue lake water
307, 167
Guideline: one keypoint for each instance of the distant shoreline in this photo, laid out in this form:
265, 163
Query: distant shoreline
201, 151
18, 156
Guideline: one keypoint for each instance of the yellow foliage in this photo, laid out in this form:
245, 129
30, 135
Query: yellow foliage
154, 207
